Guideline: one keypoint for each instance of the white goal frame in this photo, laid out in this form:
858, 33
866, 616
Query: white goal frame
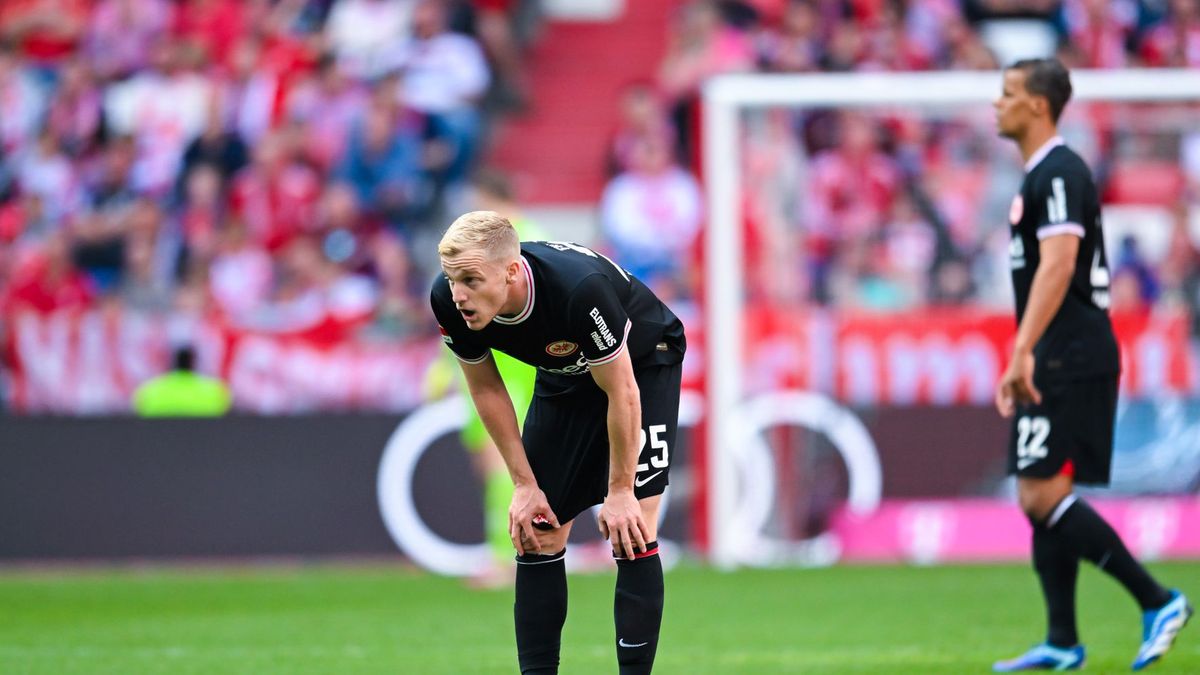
724, 99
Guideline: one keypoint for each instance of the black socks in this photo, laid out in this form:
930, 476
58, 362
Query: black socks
1095, 540
1057, 567
637, 610
540, 610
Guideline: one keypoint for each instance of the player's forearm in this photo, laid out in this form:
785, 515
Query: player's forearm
500, 419
1046, 295
624, 434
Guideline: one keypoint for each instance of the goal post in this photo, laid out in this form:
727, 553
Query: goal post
725, 99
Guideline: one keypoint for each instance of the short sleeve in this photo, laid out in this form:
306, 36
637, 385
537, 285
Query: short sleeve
1059, 204
454, 331
597, 320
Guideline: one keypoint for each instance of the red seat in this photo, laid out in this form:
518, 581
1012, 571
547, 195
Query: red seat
1145, 182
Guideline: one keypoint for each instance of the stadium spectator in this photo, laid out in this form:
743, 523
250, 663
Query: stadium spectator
494, 191
121, 34
212, 26
853, 183
182, 392
163, 108
200, 217
1128, 258
1175, 41
150, 255
383, 165
48, 281
641, 115
327, 104
218, 146
45, 172
444, 77
700, 45
651, 214
109, 187
74, 116
797, 45
46, 31
365, 33
311, 292
250, 91
1099, 30
275, 195
241, 277
495, 28
399, 313
167, 99
22, 101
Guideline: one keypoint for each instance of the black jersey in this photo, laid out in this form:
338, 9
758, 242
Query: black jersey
1059, 197
582, 311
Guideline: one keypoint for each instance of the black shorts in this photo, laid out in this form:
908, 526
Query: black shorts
566, 440
1074, 422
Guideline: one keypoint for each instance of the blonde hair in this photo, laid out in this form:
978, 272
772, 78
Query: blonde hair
485, 231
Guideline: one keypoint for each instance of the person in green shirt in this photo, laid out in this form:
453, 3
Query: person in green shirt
182, 392
493, 191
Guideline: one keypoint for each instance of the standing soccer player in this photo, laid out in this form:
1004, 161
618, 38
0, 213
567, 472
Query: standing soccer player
599, 430
1060, 387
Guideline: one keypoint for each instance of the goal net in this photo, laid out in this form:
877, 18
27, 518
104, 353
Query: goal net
858, 308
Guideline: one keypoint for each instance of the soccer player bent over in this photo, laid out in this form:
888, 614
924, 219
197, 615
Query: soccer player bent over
1060, 387
599, 430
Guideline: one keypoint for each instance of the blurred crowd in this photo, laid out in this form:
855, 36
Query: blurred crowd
275, 162
896, 209
272, 162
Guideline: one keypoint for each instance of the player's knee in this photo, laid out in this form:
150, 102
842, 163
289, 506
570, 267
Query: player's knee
548, 541
1037, 499
1031, 505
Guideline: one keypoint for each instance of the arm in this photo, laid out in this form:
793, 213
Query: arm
1049, 288
495, 408
621, 515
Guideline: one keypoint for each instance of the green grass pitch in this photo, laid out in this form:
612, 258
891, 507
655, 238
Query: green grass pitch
394, 620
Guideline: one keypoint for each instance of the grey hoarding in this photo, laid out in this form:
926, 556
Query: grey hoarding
113, 488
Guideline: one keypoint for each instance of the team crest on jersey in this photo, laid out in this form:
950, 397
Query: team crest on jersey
561, 348
445, 336
1016, 210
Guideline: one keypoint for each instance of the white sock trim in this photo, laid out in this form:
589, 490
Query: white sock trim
1061, 509
548, 558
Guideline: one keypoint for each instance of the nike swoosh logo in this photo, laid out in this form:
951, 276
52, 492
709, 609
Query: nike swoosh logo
639, 482
1021, 463
623, 643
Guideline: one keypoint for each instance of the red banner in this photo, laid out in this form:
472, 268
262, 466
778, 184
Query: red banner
936, 357
91, 362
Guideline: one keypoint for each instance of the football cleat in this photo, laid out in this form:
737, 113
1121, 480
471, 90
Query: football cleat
1044, 657
1159, 628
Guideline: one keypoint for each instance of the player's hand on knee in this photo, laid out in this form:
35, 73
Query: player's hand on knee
622, 524
528, 512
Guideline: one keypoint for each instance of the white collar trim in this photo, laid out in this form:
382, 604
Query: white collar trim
1043, 151
528, 300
